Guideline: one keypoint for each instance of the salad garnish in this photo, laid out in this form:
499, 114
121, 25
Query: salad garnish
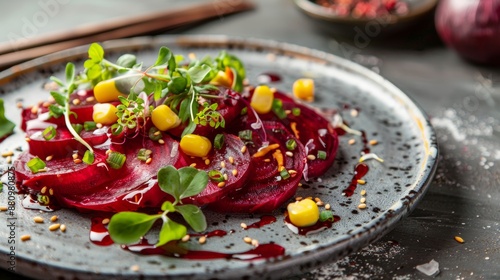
6, 126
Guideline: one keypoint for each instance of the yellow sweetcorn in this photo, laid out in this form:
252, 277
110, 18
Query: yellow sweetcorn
195, 145
304, 89
164, 118
303, 213
106, 91
104, 113
222, 79
262, 99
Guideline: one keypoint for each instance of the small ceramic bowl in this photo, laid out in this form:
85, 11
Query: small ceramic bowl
348, 25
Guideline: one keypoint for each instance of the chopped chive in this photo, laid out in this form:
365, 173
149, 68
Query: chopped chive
43, 199
155, 134
277, 108
88, 157
219, 141
36, 164
49, 133
88, 126
284, 174
244, 111
296, 112
326, 215
321, 155
77, 127
116, 160
245, 134
144, 154
215, 175
291, 144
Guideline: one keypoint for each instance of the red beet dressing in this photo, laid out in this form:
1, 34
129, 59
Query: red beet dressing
360, 171
99, 234
314, 228
217, 232
264, 220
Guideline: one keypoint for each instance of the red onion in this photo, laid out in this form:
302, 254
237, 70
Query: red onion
471, 27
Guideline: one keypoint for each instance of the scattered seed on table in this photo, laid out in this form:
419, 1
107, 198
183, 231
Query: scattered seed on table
352, 141
105, 221
459, 239
243, 225
361, 182
63, 228
7, 154
202, 240
327, 206
3, 208
255, 242
247, 239
363, 192
362, 200
38, 219
135, 268
54, 227
186, 238
373, 142
362, 206
25, 237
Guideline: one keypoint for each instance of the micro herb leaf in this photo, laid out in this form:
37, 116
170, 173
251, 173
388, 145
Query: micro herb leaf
129, 227
168, 206
198, 73
177, 85
193, 181
57, 81
189, 129
70, 75
55, 111
169, 181
127, 60
184, 110
6, 126
96, 52
171, 231
193, 216
164, 55
59, 98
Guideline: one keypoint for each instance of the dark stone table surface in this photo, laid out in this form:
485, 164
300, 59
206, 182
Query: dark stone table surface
462, 100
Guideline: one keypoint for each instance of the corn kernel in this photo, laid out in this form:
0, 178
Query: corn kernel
106, 91
304, 89
104, 113
222, 79
262, 99
195, 145
303, 213
164, 118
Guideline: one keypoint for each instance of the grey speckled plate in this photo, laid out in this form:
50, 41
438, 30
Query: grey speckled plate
406, 142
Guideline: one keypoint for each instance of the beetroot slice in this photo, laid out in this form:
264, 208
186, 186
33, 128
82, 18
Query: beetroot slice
229, 107
83, 110
240, 163
266, 190
314, 132
63, 144
100, 188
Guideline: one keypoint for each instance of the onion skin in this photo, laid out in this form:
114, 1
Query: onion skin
472, 28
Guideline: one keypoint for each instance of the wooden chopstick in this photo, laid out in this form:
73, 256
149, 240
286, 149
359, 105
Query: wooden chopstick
120, 28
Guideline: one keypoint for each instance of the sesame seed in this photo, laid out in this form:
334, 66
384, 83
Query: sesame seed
75, 156
193, 164
362, 206
135, 268
90, 99
38, 219
243, 149
311, 157
54, 218
267, 160
361, 182
235, 172
27, 139
108, 151
298, 198
19, 105
185, 238
363, 192
225, 177
157, 133
373, 142
319, 203
34, 109
231, 160
354, 113
77, 161
3, 208
202, 240
51, 191
289, 154
9, 160
192, 56
221, 184
247, 239
161, 141
255, 243
49, 158
351, 141
317, 199
243, 225
63, 228
43, 190
42, 170
362, 200
309, 197
105, 221
54, 227
98, 125
459, 239
25, 237
223, 164
75, 101
207, 161
299, 184
7, 154
327, 206
149, 160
